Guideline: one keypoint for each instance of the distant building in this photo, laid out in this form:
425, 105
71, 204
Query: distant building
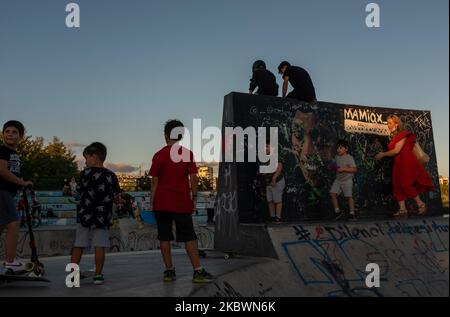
128, 182
209, 171
205, 172
214, 184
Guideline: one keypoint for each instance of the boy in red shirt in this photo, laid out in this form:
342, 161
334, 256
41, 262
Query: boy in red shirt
173, 170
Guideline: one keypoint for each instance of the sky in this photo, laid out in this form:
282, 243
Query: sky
133, 64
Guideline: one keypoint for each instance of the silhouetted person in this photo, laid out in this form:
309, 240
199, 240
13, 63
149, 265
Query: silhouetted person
299, 80
263, 79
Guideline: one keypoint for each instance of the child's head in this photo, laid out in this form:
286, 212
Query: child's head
173, 130
13, 132
282, 67
259, 64
95, 154
342, 147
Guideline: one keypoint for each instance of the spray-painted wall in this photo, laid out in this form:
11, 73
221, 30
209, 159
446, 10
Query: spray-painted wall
307, 135
226, 213
128, 237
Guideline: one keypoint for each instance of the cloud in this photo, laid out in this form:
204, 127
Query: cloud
74, 144
121, 167
115, 167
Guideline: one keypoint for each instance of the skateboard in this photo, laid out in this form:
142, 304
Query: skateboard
227, 254
230, 255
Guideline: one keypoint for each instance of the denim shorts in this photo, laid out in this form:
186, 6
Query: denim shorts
8, 209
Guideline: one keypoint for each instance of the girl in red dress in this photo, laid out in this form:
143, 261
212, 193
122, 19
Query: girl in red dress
409, 177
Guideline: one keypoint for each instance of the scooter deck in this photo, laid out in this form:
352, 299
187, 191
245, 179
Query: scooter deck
24, 278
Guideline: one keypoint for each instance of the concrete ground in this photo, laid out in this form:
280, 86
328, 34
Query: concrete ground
315, 259
136, 274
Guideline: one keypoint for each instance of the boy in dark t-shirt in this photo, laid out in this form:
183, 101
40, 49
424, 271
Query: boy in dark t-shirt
263, 79
10, 182
98, 188
299, 80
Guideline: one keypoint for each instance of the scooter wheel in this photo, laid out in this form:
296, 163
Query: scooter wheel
39, 271
30, 266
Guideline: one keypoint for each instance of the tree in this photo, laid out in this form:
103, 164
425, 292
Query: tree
47, 166
144, 183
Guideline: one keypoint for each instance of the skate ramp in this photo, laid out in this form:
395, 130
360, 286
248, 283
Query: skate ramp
329, 260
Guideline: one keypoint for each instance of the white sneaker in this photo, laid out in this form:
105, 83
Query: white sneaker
15, 266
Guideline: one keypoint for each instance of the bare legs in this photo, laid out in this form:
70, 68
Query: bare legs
12, 235
191, 250
99, 258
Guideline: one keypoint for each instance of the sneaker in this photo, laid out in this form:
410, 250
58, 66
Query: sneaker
202, 276
339, 215
169, 275
14, 267
99, 279
277, 220
352, 216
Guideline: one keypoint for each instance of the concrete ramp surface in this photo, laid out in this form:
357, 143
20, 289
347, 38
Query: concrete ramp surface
331, 259
301, 260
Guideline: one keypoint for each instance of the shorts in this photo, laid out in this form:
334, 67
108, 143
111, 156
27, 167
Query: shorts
100, 237
8, 210
345, 187
275, 194
183, 224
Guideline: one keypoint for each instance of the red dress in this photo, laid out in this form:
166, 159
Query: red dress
409, 177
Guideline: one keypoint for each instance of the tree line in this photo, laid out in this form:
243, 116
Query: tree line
46, 165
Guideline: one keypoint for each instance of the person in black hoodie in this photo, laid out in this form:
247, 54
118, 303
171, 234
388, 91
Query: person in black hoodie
263, 79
